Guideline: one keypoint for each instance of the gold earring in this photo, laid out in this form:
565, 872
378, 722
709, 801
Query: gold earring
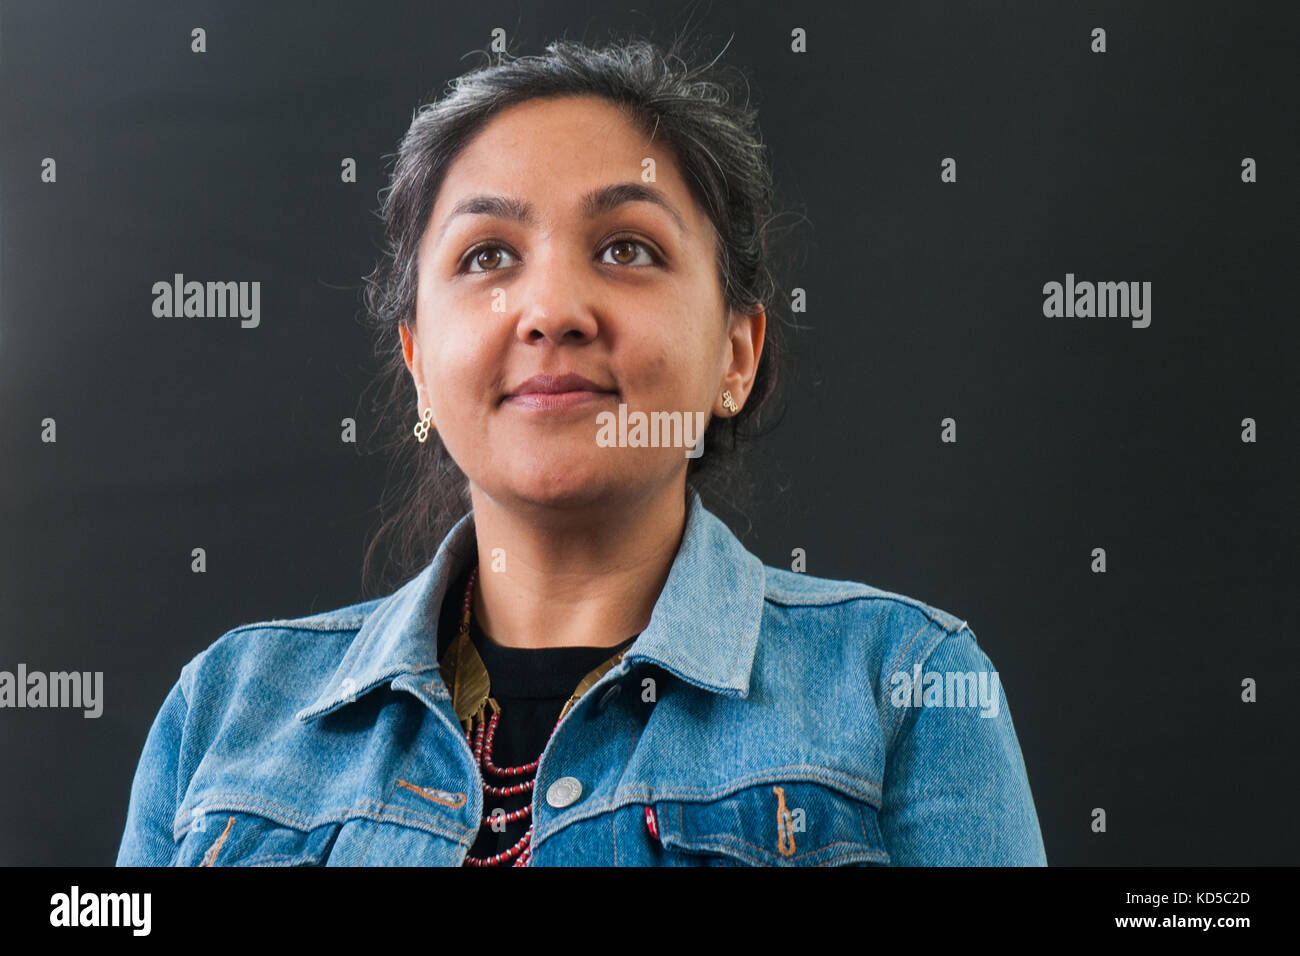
422, 427
728, 402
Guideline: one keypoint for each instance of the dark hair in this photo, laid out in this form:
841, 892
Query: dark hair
715, 141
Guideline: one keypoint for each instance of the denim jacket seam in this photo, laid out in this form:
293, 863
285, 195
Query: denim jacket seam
308, 625
963, 626
862, 824
792, 599
871, 794
761, 855
895, 722
922, 660
633, 794
280, 858
862, 592
893, 664
287, 816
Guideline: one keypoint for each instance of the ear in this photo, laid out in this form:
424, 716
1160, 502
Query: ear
746, 334
411, 355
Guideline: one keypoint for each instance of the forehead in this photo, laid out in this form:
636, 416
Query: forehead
551, 152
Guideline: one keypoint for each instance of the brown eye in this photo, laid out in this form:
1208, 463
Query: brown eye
486, 257
624, 252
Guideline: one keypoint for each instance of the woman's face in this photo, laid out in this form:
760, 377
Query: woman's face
540, 280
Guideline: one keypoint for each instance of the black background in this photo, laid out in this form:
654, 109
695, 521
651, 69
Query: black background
925, 301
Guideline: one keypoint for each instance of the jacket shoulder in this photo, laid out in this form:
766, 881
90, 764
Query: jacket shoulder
793, 589
348, 618
892, 633
317, 638
891, 630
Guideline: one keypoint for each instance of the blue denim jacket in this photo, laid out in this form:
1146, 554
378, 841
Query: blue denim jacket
763, 717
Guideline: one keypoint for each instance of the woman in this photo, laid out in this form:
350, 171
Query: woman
592, 669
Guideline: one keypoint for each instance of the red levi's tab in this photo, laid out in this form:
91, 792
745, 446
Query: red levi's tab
652, 823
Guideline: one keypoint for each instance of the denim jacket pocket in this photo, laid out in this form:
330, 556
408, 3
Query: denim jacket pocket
236, 837
790, 822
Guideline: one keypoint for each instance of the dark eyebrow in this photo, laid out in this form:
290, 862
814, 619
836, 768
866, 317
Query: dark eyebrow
595, 203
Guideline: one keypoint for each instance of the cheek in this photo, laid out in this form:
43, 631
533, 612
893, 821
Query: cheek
460, 350
661, 366
648, 372
449, 374
686, 357
669, 379
676, 344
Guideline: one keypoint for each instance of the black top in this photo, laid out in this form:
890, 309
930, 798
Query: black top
532, 686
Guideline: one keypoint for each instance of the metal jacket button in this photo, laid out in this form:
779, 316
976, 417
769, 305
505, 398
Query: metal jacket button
563, 792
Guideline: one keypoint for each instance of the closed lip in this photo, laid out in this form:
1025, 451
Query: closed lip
553, 384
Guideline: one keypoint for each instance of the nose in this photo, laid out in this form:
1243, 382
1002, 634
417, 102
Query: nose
555, 303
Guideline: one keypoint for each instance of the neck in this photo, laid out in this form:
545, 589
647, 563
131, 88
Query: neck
586, 576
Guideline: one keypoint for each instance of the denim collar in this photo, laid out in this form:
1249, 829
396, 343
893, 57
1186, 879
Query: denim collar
704, 627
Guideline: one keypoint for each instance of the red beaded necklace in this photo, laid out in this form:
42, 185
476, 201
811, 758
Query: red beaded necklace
480, 727
482, 736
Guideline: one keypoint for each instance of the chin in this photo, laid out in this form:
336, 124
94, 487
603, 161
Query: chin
560, 484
